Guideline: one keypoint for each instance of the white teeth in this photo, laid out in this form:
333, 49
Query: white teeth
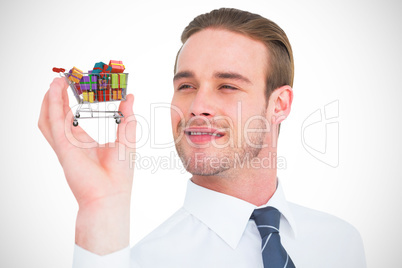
205, 133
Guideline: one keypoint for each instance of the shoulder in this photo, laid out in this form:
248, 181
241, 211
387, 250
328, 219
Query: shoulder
168, 241
328, 236
309, 220
159, 241
177, 242
173, 224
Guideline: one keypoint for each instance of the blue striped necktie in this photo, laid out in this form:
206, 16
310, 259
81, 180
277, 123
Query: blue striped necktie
273, 253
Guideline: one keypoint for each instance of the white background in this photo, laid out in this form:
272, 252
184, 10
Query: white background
345, 51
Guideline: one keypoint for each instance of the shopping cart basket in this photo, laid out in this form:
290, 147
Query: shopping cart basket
95, 89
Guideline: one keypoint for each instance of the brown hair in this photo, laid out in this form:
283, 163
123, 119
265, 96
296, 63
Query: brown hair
281, 67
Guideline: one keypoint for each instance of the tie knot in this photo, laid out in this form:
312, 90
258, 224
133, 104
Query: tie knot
267, 220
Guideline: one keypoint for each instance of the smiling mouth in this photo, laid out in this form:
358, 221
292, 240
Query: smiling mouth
197, 133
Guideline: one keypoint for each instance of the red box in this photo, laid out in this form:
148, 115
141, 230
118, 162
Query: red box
100, 95
117, 66
107, 94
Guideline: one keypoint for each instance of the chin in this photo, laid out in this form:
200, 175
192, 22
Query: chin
205, 169
204, 162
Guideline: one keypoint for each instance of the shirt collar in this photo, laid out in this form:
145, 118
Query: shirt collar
279, 202
226, 215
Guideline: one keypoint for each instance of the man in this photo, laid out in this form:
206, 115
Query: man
232, 89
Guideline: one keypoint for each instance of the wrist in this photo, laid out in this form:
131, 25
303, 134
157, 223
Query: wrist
103, 225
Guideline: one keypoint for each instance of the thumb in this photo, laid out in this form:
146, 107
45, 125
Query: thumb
127, 128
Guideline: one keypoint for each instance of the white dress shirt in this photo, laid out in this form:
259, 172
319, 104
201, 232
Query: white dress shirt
214, 230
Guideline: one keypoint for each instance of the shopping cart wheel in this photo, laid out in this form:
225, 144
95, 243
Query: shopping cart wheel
77, 115
75, 123
118, 121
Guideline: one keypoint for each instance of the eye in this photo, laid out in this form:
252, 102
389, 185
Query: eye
185, 86
228, 87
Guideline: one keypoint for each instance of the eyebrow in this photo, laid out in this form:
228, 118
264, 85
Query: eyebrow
185, 74
232, 75
221, 75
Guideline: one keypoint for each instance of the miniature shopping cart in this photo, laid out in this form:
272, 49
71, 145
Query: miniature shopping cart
95, 89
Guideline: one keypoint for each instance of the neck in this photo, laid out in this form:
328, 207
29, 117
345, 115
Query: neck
255, 185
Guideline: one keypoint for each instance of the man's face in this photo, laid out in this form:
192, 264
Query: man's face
219, 106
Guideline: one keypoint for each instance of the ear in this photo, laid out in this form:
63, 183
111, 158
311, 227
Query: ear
280, 103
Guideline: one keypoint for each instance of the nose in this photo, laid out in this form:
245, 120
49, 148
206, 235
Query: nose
203, 103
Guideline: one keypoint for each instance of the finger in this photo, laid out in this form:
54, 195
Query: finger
43, 122
56, 112
75, 135
66, 102
127, 128
59, 131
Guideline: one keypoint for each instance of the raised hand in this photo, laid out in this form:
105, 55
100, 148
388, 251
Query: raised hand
99, 176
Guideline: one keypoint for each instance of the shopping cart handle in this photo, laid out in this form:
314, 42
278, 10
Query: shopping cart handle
58, 70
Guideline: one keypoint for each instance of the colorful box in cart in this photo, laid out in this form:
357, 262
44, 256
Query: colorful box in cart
118, 81
75, 75
89, 85
88, 96
104, 88
101, 69
78, 88
117, 66
89, 82
102, 84
118, 84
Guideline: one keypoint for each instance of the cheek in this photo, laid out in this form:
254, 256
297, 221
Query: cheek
253, 115
176, 113
180, 105
175, 117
